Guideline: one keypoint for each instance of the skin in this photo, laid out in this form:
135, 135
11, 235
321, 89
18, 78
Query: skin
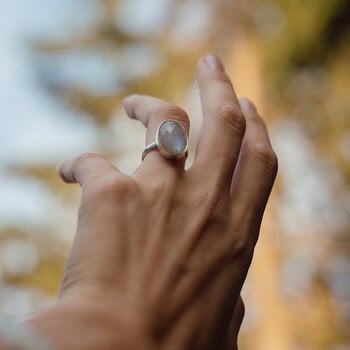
160, 257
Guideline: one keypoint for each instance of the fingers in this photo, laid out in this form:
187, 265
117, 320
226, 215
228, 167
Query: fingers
152, 112
256, 169
85, 168
223, 123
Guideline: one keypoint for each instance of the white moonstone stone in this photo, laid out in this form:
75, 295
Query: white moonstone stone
173, 138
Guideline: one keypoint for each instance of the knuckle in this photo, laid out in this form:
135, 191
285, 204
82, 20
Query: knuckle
231, 116
264, 154
158, 188
162, 190
116, 186
176, 113
123, 184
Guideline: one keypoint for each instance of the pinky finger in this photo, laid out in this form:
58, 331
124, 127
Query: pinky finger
85, 168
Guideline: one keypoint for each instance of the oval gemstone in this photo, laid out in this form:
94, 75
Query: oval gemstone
172, 137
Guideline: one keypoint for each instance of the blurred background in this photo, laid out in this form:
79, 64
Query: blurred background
65, 66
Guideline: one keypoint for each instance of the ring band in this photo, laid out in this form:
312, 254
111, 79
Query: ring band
151, 147
171, 141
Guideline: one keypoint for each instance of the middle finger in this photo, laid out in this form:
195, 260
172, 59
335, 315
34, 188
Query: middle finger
223, 124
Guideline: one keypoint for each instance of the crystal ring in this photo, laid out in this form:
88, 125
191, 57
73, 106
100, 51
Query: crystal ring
171, 141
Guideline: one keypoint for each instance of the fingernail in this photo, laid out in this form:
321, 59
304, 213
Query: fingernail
213, 63
246, 105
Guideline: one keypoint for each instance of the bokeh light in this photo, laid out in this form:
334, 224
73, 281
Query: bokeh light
65, 67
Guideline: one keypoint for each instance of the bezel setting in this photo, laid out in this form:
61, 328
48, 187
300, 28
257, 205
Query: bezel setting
163, 150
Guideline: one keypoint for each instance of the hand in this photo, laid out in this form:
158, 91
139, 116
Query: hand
160, 257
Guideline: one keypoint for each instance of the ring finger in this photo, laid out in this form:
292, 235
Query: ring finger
152, 112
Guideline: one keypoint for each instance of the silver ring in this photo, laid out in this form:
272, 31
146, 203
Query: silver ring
171, 141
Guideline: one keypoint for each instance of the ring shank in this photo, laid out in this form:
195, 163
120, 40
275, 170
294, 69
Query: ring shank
151, 147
